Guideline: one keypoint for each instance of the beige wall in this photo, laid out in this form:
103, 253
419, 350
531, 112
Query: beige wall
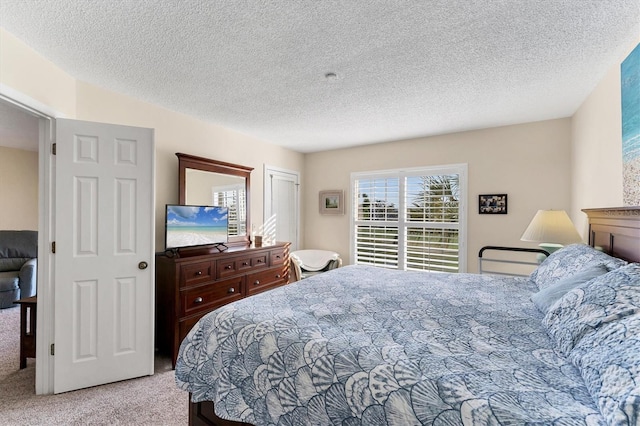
24, 70
18, 189
529, 162
597, 148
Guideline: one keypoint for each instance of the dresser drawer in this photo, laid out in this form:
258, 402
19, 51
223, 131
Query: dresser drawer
259, 261
210, 296
265, 280
277, 257
239, 265
226, 268
253, 262
196, 273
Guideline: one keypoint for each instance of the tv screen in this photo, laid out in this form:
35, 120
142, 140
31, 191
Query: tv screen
188, 226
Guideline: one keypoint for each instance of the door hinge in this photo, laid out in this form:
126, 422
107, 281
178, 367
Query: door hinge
53, 247
52, 350
53, 148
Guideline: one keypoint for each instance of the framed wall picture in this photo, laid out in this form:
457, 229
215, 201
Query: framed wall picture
332, 202
492, 204
630, 92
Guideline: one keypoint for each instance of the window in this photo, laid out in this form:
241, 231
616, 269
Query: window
410, 219
232, 197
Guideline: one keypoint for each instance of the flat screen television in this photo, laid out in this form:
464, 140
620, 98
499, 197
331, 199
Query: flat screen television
189, 226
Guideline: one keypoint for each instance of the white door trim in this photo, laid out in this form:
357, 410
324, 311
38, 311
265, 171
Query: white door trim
46, 185
27, 103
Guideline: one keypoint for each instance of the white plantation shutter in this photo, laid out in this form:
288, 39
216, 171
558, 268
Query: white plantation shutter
410, 219
376, 230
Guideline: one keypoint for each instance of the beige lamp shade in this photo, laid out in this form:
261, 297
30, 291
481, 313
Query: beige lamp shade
551, 226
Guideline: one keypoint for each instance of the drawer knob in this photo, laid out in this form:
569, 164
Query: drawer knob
278, 256
259, 260
231, 290
198, 300
199, 273
278, 276
244, 263
227, 267
257, 282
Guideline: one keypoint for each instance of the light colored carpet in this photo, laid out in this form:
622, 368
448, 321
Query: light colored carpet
152, 400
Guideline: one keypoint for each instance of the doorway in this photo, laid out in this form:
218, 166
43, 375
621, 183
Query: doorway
25, 131
18, 168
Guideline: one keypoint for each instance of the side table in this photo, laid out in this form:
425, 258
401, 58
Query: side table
28, 307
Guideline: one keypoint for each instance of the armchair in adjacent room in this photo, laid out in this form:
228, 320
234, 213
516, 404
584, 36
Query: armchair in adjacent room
18, 266
311, 262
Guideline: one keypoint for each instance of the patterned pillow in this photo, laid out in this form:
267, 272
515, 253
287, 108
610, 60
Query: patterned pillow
609, 361
593, 304
570, 260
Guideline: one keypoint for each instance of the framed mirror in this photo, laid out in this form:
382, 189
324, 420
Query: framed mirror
203, 181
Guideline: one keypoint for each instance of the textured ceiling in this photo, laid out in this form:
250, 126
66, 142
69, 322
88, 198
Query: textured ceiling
403, 68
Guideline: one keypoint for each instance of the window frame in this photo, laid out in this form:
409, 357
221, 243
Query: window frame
449, 169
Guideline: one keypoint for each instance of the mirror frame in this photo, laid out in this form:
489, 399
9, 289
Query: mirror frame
186, 161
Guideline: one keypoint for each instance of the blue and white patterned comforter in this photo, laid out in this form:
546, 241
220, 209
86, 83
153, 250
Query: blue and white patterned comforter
368, 346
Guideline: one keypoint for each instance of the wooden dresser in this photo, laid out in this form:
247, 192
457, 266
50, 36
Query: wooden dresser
187, 287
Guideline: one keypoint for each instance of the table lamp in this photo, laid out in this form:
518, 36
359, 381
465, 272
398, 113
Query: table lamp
552, 229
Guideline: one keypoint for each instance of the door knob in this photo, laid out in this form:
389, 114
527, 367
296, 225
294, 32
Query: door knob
143, 265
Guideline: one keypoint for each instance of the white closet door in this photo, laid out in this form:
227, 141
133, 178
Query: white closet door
281, 205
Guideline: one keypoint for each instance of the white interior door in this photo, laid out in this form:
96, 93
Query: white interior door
281, 204
104, 234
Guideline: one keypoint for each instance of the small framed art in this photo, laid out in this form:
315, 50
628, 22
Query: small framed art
492, 204
332, 202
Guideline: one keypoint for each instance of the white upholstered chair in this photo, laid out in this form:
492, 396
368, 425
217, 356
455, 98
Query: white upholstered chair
306, 263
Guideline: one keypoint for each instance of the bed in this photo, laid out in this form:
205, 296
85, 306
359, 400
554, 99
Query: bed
362, 345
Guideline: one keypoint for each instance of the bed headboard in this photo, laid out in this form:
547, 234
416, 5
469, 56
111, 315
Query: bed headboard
616, 230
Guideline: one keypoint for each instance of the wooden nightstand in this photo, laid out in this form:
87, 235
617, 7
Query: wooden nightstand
28, 311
